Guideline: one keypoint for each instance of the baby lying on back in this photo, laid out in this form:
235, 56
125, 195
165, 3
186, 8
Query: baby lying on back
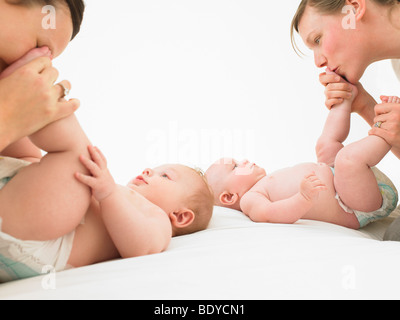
65, 209
343, 188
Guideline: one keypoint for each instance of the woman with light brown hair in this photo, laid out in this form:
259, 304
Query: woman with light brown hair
346, 37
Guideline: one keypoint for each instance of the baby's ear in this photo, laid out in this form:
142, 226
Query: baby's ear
228, 199
182, 219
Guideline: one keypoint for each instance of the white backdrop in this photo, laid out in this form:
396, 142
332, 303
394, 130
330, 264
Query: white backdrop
190, 81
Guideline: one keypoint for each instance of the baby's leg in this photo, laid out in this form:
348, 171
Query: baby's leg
336, 129
354, 180
44, 201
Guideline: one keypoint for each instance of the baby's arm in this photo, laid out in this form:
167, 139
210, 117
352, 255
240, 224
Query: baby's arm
259, 208
337, 126
136, 226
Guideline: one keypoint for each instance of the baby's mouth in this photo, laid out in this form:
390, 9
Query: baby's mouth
140, 179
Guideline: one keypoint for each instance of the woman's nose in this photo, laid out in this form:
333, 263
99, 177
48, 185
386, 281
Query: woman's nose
320, 60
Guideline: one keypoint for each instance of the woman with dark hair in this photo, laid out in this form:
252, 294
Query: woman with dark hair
29, 97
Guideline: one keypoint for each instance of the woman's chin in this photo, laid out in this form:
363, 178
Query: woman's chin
353, 77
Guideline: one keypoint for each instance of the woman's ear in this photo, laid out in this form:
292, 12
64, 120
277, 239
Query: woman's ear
228, 199
359, 8
182, 219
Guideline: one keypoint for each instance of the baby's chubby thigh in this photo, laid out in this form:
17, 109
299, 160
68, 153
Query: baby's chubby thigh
328, 208
325, 174
356, 183
44, 201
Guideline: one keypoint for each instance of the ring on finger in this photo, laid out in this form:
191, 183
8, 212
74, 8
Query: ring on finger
66, 90
378, 124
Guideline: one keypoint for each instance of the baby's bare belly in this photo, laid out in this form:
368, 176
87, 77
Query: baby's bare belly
327, 207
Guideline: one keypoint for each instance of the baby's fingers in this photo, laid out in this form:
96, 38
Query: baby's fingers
321, 187
102, 156
87, 180
90, 165
97, 156
316, 183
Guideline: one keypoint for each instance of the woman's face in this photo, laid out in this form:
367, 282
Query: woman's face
24, 28
340, 49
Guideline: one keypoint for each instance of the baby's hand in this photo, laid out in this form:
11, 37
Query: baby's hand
311, 186
338, 91
390, 99
101, 182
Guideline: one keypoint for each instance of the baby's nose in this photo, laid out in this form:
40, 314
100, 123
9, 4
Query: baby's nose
148, 172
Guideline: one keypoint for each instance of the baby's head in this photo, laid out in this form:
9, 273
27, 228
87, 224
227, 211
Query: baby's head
182, 192
230, 180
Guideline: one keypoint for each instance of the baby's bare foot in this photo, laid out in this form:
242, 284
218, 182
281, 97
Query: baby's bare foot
354, 91
390, 99
31, 55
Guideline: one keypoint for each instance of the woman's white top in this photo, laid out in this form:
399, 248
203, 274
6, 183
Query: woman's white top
396, 67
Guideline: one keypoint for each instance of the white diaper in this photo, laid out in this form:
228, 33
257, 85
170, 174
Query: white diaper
389, 200
23, 259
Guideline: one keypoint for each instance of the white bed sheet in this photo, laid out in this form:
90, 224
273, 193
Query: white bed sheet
238, 259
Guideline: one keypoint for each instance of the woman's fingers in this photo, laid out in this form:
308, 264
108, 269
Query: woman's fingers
325, 78
62, 89
30, 56
50, 75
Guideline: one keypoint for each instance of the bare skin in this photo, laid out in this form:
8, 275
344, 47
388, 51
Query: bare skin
307, 191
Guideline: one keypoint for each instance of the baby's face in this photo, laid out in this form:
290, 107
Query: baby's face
233, 176
166, 186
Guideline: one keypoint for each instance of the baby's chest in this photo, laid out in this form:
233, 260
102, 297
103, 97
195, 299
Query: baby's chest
278, 187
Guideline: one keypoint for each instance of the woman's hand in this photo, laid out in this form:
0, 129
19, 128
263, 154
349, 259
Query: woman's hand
387, 122
336, 92
29, 100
